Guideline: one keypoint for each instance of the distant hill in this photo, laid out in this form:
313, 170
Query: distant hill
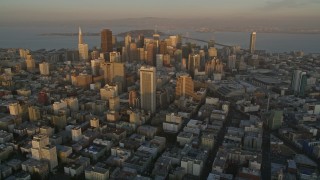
145, 32
134, 33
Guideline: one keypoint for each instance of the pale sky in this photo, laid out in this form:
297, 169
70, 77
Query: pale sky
16, 11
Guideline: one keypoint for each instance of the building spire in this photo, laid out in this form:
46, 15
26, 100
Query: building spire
80, 36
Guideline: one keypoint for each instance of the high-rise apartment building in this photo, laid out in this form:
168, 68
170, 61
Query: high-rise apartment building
253, 42
42, 150
31, 64
115, 56
106, 41
108, 91
148, 88
76, 134
34, 113
94, 122
44, 68
114, 72
95, 66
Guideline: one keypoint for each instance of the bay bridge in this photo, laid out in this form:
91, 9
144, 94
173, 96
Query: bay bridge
205, 41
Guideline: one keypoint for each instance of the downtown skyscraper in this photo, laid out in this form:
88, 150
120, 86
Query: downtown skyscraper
82, 47
106, 41
253, 38
148, 88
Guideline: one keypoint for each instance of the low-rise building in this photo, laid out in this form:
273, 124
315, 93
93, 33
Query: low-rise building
184, 138
96, 172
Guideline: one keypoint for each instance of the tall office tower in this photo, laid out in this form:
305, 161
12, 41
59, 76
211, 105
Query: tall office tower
133, 53
148, 88
127, 40
125, 54
156, 37
133, 98
95, 54
44, 68
232, 62
115, 56
150, 52
83, 52
299, 82
141, 54
114, 73
193, 63
178, 55
212, 52
211, 43
179, 41
253, 42
106, 41
83, 48
185, 86
95, 66
80, 38
173, 40
140, 41
210, 67
185, 51
42, 150
159, 60
31, 64
163, 47
166, 60
76, 134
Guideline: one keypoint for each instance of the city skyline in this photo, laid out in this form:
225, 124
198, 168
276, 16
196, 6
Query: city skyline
291, 12
159, 98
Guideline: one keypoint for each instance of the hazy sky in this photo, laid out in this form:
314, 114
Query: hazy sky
15, 11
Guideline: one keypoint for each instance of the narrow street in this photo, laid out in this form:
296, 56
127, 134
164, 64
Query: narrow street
266, 161
218, 142
296, 149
